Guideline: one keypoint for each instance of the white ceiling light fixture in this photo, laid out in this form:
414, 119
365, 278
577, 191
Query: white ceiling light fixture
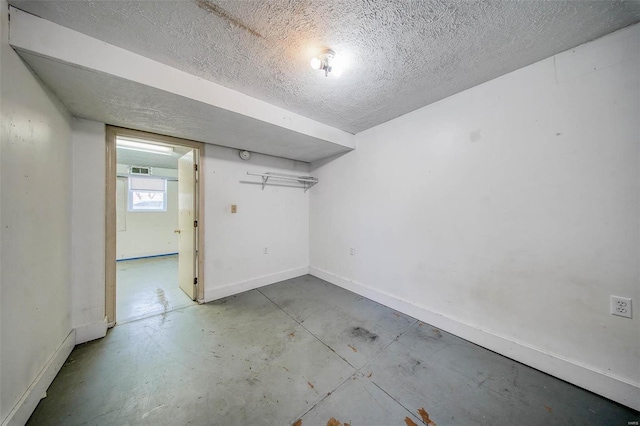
139, 145
326, 61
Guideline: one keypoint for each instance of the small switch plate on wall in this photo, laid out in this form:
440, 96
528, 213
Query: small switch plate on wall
621, 306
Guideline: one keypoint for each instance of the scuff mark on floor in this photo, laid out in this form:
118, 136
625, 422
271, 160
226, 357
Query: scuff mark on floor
334, 422
363, 333
151, 411
352, 348
546, 407
425, 417
293, 333
516, 374
412, 366
162, 299
310, 385
410, 422
213, 8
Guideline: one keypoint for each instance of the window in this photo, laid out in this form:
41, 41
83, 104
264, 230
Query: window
147, 194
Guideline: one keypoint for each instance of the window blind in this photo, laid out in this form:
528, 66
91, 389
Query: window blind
147, 184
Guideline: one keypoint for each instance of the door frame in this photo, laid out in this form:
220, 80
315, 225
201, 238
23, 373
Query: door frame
110, 223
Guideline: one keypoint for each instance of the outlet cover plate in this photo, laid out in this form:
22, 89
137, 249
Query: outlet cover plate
621, 306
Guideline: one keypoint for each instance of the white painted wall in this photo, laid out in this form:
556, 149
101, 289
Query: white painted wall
88, 238
35, 232
507, 213
277, 218
149, 233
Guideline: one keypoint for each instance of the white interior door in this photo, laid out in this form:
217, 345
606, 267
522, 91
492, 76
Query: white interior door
186, 226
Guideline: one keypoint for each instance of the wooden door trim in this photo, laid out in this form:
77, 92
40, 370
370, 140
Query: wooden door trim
110, 222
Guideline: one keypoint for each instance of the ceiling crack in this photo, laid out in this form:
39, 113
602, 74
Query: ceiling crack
211, 7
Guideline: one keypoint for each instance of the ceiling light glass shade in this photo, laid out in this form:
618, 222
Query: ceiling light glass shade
328, 62
316, 63
336, 69
136, 145
337, 65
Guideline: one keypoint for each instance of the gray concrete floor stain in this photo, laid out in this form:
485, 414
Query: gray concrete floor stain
147, 287
304, 352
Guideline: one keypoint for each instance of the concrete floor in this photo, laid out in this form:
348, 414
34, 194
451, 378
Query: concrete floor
304, 350
147, 287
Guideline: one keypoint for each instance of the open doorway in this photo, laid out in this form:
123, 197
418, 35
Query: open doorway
154, 226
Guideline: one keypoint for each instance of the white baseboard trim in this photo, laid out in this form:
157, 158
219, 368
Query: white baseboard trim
602, 383
90, 332
27, 404
211, 294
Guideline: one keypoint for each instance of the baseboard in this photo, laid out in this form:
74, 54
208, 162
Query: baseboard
29, 401
146, 257
602, 383
90, 332
211, 294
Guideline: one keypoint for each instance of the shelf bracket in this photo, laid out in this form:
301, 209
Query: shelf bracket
306, 181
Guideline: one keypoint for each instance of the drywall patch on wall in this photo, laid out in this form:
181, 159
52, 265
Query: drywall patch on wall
523, 234
475, 136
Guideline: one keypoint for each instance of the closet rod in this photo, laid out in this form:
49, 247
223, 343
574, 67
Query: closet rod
307, 181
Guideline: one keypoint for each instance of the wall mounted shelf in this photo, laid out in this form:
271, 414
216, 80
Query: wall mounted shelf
306, 181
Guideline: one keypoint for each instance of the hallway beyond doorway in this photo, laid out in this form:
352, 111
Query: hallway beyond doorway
148, 287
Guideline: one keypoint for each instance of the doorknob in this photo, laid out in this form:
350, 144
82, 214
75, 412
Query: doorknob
177, 231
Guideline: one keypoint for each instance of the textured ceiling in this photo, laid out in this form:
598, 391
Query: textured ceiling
401, 54
119, 102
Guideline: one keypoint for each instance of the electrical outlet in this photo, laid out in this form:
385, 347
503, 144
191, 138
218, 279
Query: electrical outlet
352, 251
621, 306
266, 250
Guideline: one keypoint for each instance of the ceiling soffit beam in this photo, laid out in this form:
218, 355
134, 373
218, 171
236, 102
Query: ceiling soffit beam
44, 38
